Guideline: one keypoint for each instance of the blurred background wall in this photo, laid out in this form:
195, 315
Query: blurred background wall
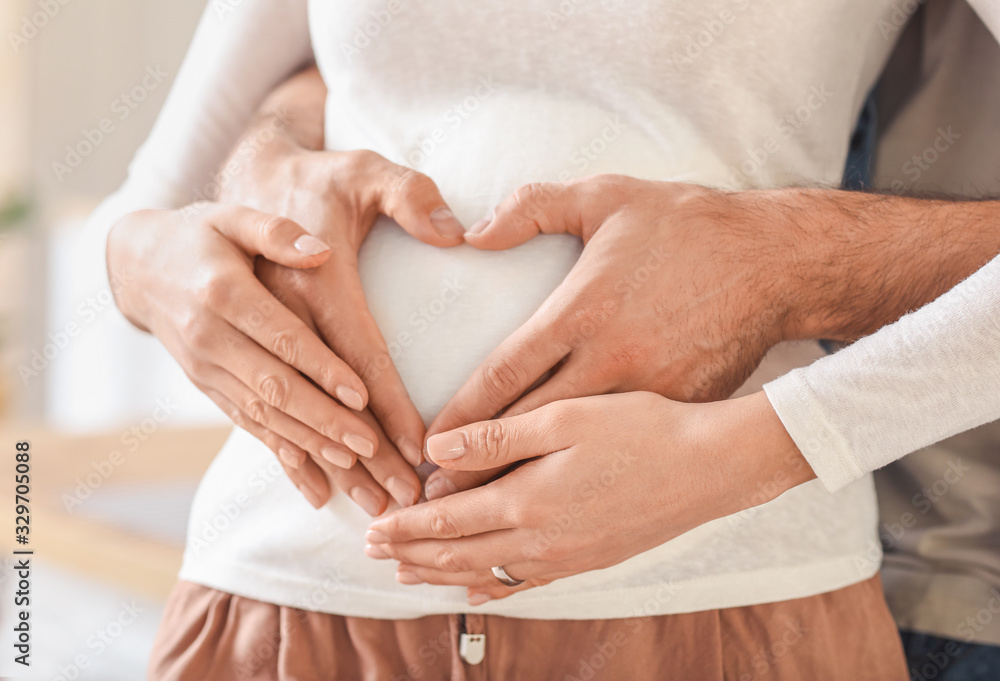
68, 65
111, 484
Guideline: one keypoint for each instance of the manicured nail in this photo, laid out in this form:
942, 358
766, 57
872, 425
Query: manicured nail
479, 225
310, 245
337, 457
404, 577
311, 495
478, 599
447, 446
366, 500
402, 491
439, 487
446, 223
375, 552
376, 537
361, 446
293, 459
410, 451
350, 397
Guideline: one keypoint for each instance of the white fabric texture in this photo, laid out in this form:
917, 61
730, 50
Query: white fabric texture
931, 375
484, 97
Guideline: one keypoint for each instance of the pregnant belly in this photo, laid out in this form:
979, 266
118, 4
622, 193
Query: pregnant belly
442, 311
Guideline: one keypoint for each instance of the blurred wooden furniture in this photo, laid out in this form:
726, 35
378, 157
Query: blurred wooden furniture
60, 461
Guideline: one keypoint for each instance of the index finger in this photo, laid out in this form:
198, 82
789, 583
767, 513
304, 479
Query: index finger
262, 317
460, 515
509, 371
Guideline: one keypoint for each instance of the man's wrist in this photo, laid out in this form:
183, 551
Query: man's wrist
848, 263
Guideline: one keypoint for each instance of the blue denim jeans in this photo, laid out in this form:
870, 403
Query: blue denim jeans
942, 659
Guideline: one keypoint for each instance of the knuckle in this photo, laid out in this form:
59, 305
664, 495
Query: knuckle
532, 201
238, 418
195, 332
271, 227
216, 291
448, 561
491, 440
502, 380
442, 526
256, 410
408, 185
198, 370
284, 346
274, 389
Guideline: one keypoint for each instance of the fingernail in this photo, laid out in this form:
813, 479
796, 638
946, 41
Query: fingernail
310, 245
447, 446
439, 487
313, 497
361, 446
401, 491
446, 223
376, 537
375, 552
404, 577
410, 451
350, 397
337, 457
366, 500
478, 599
293, 459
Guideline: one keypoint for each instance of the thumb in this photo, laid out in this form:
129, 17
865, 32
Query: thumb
537, 208
501, 442
414, 201
274, 237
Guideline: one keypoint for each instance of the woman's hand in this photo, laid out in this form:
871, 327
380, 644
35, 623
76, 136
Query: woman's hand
277, 169
673, 294
617, 476
337, 196
191, 284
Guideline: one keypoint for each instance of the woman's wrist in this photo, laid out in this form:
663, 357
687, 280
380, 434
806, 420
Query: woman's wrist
768, 461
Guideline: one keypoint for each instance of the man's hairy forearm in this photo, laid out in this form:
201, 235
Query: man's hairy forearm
861, 261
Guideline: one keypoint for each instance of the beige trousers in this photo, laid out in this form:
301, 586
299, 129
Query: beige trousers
843, 635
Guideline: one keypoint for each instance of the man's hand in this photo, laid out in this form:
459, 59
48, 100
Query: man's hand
673, 294
681, 290
618, 475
